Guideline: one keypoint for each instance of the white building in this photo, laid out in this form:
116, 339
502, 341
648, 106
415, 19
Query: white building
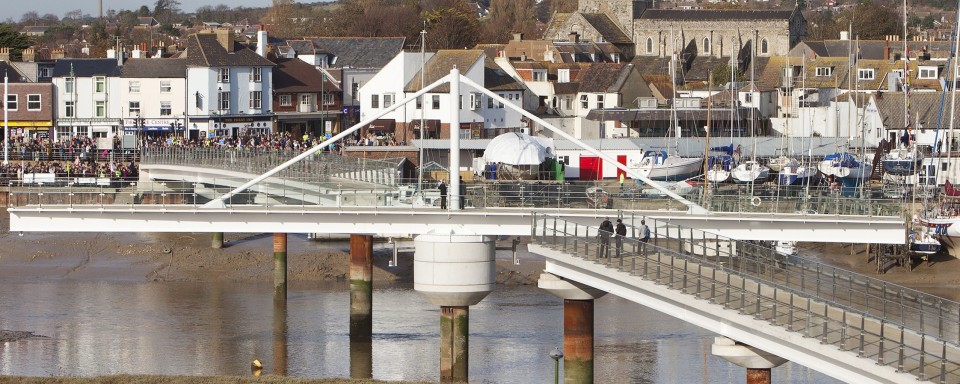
88, 102
153, 91
229, 87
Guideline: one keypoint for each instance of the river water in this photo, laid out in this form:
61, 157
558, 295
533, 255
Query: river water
173, 328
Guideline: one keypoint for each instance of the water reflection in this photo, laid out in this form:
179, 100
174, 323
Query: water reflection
101, 328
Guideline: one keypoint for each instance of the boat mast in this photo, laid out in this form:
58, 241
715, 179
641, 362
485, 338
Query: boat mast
673, 88
423, 43
706, 148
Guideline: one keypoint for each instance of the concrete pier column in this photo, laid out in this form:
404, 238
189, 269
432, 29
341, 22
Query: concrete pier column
361, 360
280, 266
454, 342
216, 240
280, 338
578, 325
454, 271
361, 287
757, 362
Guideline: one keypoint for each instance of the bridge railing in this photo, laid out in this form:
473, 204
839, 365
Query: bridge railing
894, 325
257, 161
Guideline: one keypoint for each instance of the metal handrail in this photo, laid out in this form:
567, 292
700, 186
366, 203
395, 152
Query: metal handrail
802, 295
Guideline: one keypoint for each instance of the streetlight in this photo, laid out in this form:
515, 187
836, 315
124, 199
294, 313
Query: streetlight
556, 354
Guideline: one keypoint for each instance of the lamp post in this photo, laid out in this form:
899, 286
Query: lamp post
6, 142
556, 354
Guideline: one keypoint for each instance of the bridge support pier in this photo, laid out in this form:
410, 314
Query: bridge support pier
578, 301
216, 240
454, 271
758, 363
361, 287
279, 267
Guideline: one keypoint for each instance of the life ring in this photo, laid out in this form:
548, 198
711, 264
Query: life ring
755, 201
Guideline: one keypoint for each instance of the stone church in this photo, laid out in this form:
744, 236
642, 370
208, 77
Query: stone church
658, 32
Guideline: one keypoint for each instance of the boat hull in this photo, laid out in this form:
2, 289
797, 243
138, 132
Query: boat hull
750, 173
900, 167
671, 169
947, 229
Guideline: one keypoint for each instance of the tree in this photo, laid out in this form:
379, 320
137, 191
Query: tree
451, 28
165, 10
507, 16
10, 37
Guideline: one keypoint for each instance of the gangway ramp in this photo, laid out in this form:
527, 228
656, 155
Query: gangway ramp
849, 326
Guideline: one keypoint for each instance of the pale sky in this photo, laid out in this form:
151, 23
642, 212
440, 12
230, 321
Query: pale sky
13, 9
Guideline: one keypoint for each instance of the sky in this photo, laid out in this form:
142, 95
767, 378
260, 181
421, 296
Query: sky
13, 9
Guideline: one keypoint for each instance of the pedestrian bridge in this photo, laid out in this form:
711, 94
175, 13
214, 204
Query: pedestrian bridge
853, 327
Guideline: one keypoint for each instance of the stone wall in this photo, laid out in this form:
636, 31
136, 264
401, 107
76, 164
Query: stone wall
620, 11
725, 37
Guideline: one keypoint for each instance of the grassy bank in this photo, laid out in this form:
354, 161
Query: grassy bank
131, 379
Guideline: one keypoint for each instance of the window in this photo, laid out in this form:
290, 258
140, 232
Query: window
223, 101
539, 75
928, 73
748, 98
327, 98
583, 102
764, 49
568, 103
306, 100
166, 109
435, 101
865, 74
223, 75
600, 101
706, 45
387, 100
286, 101
255, 101
101, 109
475, 101
68, 83
563, 75
649, 45
12, 102
356, 90
824, 71
374, 101
46, 72
165, 86
489, 102
70, 109
33, 102
133, 86
100, 84
133, 108
256, 75
419, 102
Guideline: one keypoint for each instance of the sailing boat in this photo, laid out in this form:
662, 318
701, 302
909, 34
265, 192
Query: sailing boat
668, 165
751, 171
905, 159
844, 166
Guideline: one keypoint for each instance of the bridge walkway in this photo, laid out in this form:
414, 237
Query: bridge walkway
871, 321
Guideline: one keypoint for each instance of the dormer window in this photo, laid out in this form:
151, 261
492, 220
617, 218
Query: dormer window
223, 75
539, 75
824, 71
866, 74
563, 75
927, 73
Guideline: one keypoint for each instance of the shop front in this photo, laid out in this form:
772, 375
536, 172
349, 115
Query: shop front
29, 129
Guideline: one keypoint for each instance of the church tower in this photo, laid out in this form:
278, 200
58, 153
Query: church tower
623, 12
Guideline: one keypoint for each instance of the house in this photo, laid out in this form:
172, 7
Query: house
307, 100
480, 116
229, 86
86, 102
146, 22
34, 30
153, 96
31, 105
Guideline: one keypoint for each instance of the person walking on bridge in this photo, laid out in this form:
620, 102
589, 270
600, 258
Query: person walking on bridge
606, 229
621, 233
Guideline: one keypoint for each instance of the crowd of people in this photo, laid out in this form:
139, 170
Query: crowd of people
258, 141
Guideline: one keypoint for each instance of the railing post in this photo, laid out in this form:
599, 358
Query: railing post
923, 357
900, 357
880, 355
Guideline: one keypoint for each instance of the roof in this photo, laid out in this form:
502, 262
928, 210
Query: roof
35, 29
495, 79
714, 14
924, 109
566, 88
147, 20
13, 75
204, 50
86, 68
360, 52
877, 49
439, 66
607, 28
303, 47
692, 70
533, 49
154, 68
296, 76
603, 77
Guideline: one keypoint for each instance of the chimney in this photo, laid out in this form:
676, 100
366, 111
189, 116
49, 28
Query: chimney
886, 50
844, 35
111, 53
262, 43
29, 55
573, 37
56, 54
517, 36
225, 36
5, 54
136, 54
